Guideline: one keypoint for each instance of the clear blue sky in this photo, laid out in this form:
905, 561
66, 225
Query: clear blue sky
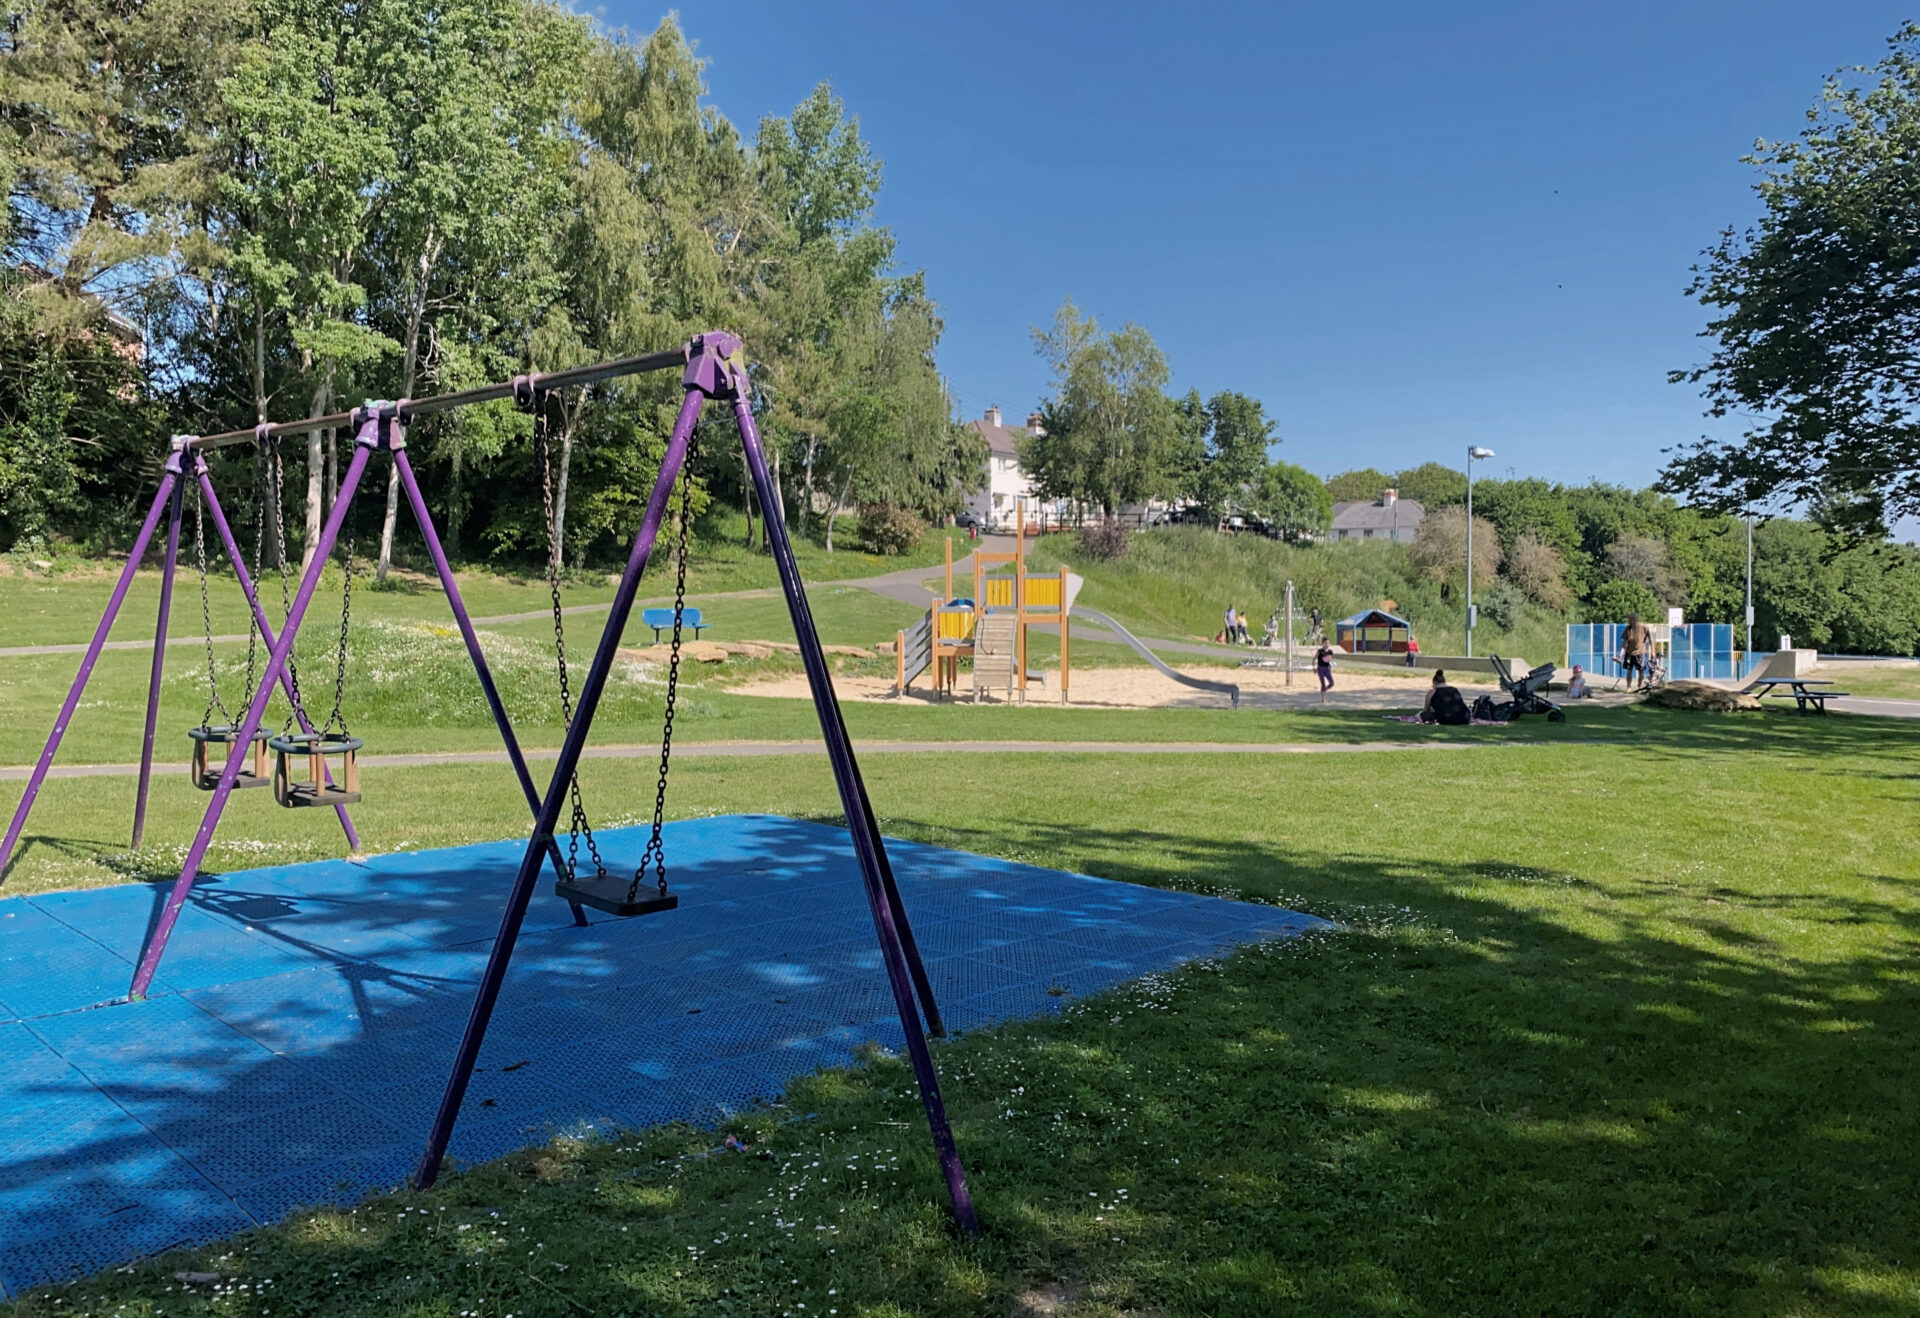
1403, 226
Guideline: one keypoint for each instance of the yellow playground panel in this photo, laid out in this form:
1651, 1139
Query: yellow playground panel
1001, 584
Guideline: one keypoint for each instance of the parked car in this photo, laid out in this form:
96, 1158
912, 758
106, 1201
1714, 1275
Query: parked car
969, 520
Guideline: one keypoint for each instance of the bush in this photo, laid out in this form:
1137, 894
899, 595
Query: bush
1500, 604
1540, 570
1106, 539
1615, 601
890, 531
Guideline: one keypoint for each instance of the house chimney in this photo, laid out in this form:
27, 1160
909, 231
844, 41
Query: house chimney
993, 416
1034, 427
1389, 497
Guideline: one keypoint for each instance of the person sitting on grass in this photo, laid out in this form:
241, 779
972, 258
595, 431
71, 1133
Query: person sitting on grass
1445, 704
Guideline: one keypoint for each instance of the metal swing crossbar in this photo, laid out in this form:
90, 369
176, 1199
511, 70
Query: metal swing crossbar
713, 370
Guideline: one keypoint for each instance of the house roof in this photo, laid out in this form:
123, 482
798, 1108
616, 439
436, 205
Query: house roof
1374, 618
1001, 440
1375, 515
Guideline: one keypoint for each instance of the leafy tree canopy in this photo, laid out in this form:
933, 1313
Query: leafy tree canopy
1815, 312
1362, 486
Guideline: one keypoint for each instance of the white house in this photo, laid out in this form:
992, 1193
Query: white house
1387, 518
1007, 484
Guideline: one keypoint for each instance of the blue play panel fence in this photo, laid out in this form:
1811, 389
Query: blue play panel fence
299, 1035
1698, 650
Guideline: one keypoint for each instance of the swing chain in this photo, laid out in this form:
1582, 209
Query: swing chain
538, 401
336, 718
206, 617
656, 851
273, 476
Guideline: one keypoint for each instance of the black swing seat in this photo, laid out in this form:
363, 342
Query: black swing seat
206, 769
608, 892
314, 789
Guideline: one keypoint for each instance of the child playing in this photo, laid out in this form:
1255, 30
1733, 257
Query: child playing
1577, 685
1323, 668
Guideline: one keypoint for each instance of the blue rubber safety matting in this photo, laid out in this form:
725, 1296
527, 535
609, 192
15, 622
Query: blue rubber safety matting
295, 1045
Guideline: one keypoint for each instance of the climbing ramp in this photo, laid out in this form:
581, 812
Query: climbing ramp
297, 1041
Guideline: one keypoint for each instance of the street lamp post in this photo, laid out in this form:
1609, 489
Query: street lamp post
1749, 585
1474, 452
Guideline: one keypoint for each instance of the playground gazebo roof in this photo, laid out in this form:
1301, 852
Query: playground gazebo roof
1372, 630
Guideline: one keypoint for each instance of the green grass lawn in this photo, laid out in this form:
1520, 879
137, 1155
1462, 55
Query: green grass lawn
1901, 683
1620, 1026
63, 606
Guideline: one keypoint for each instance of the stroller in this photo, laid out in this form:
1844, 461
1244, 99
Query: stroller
1525, 697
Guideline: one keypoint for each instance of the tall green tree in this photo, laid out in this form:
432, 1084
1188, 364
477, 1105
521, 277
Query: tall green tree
1291, 500
1110, 430
1431, 485
1814, 312
1238, 435
1361, 486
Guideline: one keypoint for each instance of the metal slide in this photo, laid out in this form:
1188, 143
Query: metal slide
1227, 689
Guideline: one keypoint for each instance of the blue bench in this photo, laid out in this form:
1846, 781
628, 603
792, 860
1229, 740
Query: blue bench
662, 620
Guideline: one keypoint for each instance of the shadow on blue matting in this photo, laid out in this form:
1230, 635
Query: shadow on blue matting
296, 1043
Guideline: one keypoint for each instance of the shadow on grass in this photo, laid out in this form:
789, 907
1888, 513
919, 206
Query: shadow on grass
1503, 1090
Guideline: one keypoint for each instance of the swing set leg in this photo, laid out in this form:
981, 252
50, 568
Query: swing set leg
548, 817
243, 742
889, 916
167, 566
232, 548
418, 502
161, 499
713, 372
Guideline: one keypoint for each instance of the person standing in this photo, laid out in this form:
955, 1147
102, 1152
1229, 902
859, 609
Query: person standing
1413, 651
1323, 669
1636, 652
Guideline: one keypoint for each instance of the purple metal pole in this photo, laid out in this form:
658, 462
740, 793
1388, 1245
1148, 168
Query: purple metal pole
243, 741
228, 543
853, 800
21, 811
159, 645
418, 503
549, 815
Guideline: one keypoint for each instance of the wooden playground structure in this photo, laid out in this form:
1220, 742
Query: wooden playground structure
989, 626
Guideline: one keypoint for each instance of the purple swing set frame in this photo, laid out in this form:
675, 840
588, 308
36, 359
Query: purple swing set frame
714, 370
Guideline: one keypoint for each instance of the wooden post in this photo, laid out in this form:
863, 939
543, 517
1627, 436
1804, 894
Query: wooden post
1020, 596
1063, 635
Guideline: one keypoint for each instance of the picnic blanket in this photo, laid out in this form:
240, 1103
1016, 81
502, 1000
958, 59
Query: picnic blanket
1476, 723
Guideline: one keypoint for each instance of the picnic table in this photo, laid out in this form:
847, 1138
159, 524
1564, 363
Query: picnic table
1800, 689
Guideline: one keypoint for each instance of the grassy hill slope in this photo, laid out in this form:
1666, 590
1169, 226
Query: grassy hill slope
1177, 581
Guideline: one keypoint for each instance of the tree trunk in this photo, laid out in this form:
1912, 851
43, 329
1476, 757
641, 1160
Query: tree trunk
560, 492
833, 513
746, 479
779, 504
455, 490
409, 363
316, 473
274, 547
806, 490
333, 468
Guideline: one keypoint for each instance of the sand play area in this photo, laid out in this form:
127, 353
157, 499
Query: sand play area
1355, 687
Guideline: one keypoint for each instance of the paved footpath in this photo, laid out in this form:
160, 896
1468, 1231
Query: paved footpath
759, 749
